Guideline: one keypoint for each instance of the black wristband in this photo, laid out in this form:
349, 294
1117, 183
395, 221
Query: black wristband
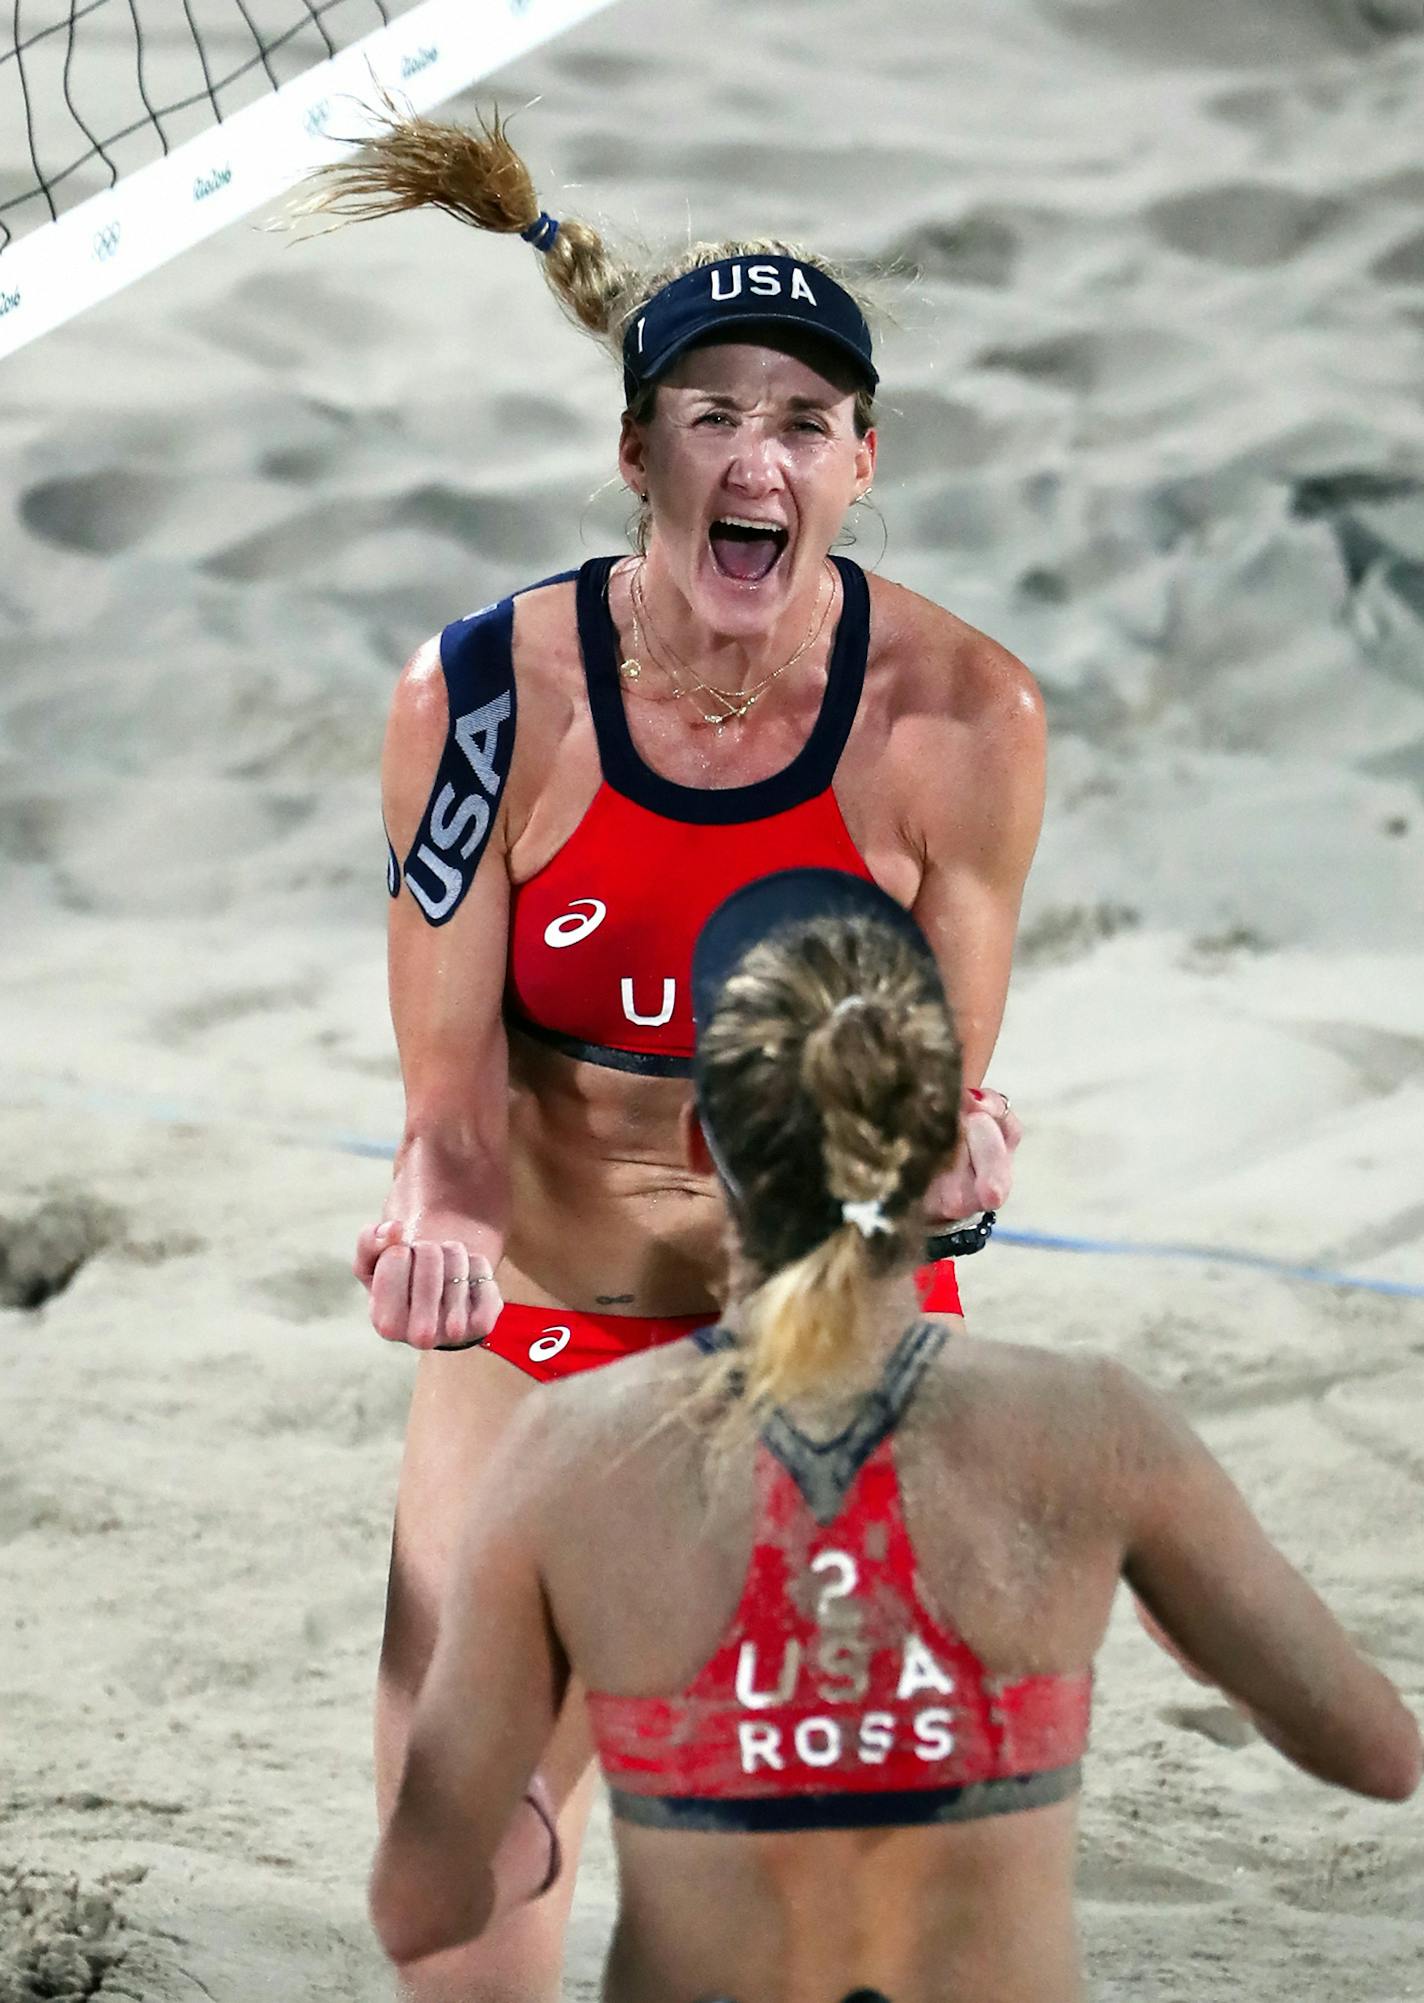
963, 1240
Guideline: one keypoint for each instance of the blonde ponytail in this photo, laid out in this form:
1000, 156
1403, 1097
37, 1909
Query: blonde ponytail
830, 1074
474, 174
804, 1323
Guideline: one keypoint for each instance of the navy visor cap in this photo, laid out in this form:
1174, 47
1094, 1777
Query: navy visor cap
743, 292
772, 904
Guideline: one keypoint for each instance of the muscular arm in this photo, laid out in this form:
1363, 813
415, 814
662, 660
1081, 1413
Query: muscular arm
485, 1713
979, 806
1246, 1619
980, 830
446, 990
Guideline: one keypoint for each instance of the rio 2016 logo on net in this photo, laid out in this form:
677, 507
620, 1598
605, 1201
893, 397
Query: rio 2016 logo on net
106, 241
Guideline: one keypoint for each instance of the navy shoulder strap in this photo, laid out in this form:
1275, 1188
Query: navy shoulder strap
477, 657
824, 1470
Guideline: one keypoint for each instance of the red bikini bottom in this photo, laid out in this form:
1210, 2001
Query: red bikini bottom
560, 1342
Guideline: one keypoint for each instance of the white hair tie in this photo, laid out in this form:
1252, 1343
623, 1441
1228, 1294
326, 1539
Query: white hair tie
849, 1002
868, 1218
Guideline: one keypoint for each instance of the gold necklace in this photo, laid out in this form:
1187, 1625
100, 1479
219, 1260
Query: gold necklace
732, 697
735, 705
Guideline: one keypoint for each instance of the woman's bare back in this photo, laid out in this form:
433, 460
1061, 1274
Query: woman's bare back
1019, 1547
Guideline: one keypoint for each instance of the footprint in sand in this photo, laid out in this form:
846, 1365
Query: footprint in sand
1404, 264
1365, 1876
1223, 1724
1222, 33
194, 1019
58, 1939
273, 318
41, 1252
982, 247
1381, 1416
103, 512
311, 1291
1129, 1881
1120, 360
1246, 224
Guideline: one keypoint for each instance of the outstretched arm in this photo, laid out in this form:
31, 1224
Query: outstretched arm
980, 837
1242, 1615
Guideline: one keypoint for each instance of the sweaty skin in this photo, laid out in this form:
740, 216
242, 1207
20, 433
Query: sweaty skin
564, 1182
604, 1545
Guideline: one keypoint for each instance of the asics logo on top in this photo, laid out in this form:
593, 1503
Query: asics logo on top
583, 917
555, 1338
575, 924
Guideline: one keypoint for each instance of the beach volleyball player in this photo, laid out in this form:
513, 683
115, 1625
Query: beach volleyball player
573, 779
833, 1572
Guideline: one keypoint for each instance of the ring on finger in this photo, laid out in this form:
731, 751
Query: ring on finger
473, 1280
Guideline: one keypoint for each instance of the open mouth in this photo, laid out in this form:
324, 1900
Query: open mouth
746, 550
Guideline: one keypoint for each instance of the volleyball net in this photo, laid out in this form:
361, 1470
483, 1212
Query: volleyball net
132, 129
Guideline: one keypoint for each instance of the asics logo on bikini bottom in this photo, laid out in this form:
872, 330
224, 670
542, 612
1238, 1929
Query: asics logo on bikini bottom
576, 924
558, 1336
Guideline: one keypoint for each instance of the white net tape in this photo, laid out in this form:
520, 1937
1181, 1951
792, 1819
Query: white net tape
215, 163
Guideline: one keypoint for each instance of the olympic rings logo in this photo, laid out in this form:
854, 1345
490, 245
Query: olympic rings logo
106, 241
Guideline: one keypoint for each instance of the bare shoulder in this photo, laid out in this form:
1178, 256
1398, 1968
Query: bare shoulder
1082, 1408
416, 729
545, 641
548, 684
941, 664
419, 700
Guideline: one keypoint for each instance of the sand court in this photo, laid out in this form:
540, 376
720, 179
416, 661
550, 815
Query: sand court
1151, 417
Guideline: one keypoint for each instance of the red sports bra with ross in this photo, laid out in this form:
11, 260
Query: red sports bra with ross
836, 1699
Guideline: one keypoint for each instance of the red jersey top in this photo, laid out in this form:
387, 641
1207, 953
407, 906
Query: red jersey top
601, 938
836, 1699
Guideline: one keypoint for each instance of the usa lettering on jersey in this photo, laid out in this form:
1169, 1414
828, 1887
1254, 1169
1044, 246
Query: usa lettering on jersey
478, 662
838, 1674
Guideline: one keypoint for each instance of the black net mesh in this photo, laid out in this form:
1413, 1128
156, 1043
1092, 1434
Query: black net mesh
90, 90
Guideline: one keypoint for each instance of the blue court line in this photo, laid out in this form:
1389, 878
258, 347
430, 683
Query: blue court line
1215, 1255
166, 1112
1115, 1248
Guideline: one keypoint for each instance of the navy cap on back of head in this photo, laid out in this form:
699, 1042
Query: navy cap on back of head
772, 904
743, 292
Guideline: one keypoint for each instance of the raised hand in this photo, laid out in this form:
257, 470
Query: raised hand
429, 1292
982, 1172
